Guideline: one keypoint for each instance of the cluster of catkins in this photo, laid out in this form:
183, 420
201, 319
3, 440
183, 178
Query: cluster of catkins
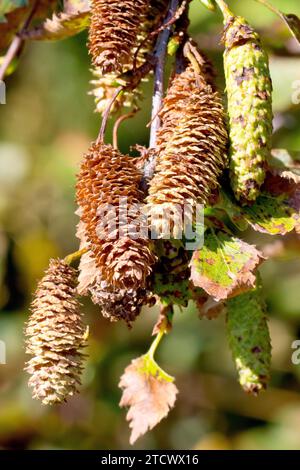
122, 272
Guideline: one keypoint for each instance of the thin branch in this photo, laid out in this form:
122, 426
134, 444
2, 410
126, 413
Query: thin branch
166, 24
17, 42
160, 54
224, 9
100, 137
117, 124
74, 257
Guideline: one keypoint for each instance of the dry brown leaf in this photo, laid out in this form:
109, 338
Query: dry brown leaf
148, 392
60, 26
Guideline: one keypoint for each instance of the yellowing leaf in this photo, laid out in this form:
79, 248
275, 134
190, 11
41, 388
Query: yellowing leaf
60, 26
225, 265
277, 210
148, 392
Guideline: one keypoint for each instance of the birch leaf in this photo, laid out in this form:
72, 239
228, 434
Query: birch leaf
148, 392
225, 265
60, 26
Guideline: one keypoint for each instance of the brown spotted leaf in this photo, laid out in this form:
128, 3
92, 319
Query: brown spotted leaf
148, 392
276, 211
60, 26
285, 164
225, 265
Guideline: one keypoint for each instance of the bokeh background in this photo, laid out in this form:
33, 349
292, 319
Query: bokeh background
45, 127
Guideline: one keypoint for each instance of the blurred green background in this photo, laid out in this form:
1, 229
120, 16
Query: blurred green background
45, 127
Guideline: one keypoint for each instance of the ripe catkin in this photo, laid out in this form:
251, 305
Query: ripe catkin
55, 335
249, 91
191, 144
121, 248
249, 340
104, 84
116, 304
114, 31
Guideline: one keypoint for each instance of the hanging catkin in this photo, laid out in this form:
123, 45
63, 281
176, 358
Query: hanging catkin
120, 248
191, 143
55, 335
249, 91
249, 339
104, 84
116, 304
114, 31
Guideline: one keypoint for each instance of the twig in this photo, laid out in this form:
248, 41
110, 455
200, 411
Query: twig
73, 257
106, 115
17, 43
224, 9
117, 124
167, 24
160, 54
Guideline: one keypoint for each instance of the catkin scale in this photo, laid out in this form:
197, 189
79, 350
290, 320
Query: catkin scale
106, 175
55, 335
249, 92
191, 143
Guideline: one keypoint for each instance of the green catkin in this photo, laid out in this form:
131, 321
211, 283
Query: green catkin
249, 91
249, 340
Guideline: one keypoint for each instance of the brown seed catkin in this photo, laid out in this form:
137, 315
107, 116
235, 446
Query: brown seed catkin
104, 84
121, 248
55, 335
114, 32
191, 145
116, 304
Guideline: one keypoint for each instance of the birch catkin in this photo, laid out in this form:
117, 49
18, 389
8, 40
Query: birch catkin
114, 31
249, 340
124, 261
191, 143
249, 91
55, 336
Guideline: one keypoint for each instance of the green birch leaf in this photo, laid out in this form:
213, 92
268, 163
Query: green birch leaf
225, 265
276, 213
249, 340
